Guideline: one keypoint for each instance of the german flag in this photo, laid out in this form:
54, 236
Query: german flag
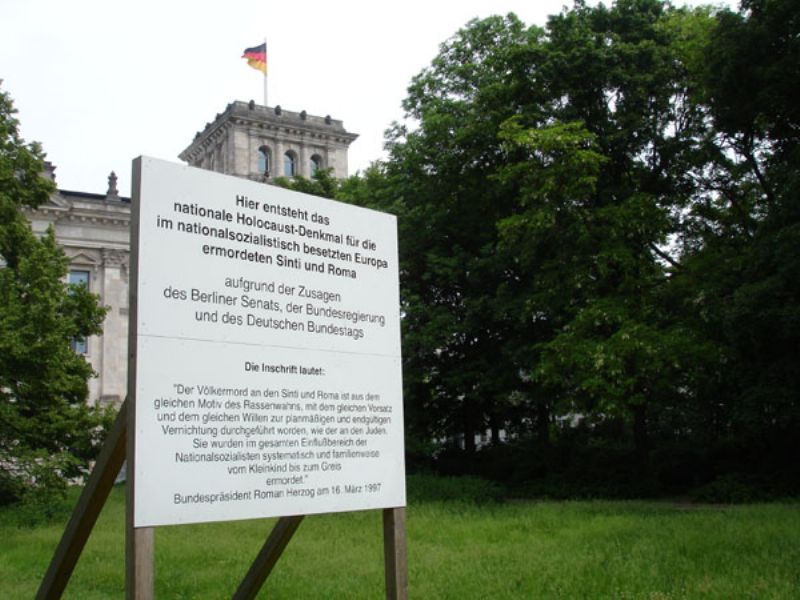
257, 57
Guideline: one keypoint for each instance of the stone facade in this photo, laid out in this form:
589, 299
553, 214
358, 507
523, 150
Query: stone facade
94, 229
257, 142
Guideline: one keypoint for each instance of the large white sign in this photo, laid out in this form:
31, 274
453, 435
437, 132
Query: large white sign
268, 374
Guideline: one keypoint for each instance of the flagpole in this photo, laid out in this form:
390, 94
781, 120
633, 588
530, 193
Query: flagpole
266, 67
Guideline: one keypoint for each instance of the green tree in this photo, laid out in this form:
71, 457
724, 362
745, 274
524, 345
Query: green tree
542, 179
47, 431
598, 222
741, 275
322, 183
622, 72
461, 373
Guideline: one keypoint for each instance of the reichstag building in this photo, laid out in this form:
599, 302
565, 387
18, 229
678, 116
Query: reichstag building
246, 140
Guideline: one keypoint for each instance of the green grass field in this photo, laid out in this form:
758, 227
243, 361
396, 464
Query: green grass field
456, 550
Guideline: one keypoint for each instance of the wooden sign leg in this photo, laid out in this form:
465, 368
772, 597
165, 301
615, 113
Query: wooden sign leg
139, 545
88, 508
394, 553
139, 569
270, 553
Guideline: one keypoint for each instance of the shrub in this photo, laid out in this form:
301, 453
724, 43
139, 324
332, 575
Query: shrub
729, 489
434, 488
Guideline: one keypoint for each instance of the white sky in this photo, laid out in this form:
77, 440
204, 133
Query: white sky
99, 82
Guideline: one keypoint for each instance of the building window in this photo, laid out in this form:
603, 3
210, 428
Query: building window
289, 164
79, 345
316, 164
79, 277
263, 161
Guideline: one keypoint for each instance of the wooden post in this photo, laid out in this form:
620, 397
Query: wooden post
139, 571
139, 544
265, 561
88, 508
394, 553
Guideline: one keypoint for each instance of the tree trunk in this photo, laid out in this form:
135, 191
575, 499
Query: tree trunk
495, 428
640, 433
469, 440
543, 424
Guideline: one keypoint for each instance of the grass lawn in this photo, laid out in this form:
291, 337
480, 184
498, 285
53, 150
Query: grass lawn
456, 550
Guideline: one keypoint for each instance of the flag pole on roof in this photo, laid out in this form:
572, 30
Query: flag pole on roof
257, 58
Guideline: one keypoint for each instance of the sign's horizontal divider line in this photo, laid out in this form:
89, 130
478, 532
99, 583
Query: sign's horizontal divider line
299, 348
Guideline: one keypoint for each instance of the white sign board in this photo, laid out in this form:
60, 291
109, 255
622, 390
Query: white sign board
267, 333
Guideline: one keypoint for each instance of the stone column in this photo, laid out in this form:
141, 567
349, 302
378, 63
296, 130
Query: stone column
114, 374
279, 150
243, 154
304, 168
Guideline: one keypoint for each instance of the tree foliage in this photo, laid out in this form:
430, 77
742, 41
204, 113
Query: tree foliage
322, 183
599, 237
47, 431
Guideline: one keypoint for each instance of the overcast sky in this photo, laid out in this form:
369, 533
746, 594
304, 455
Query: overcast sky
99, 82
